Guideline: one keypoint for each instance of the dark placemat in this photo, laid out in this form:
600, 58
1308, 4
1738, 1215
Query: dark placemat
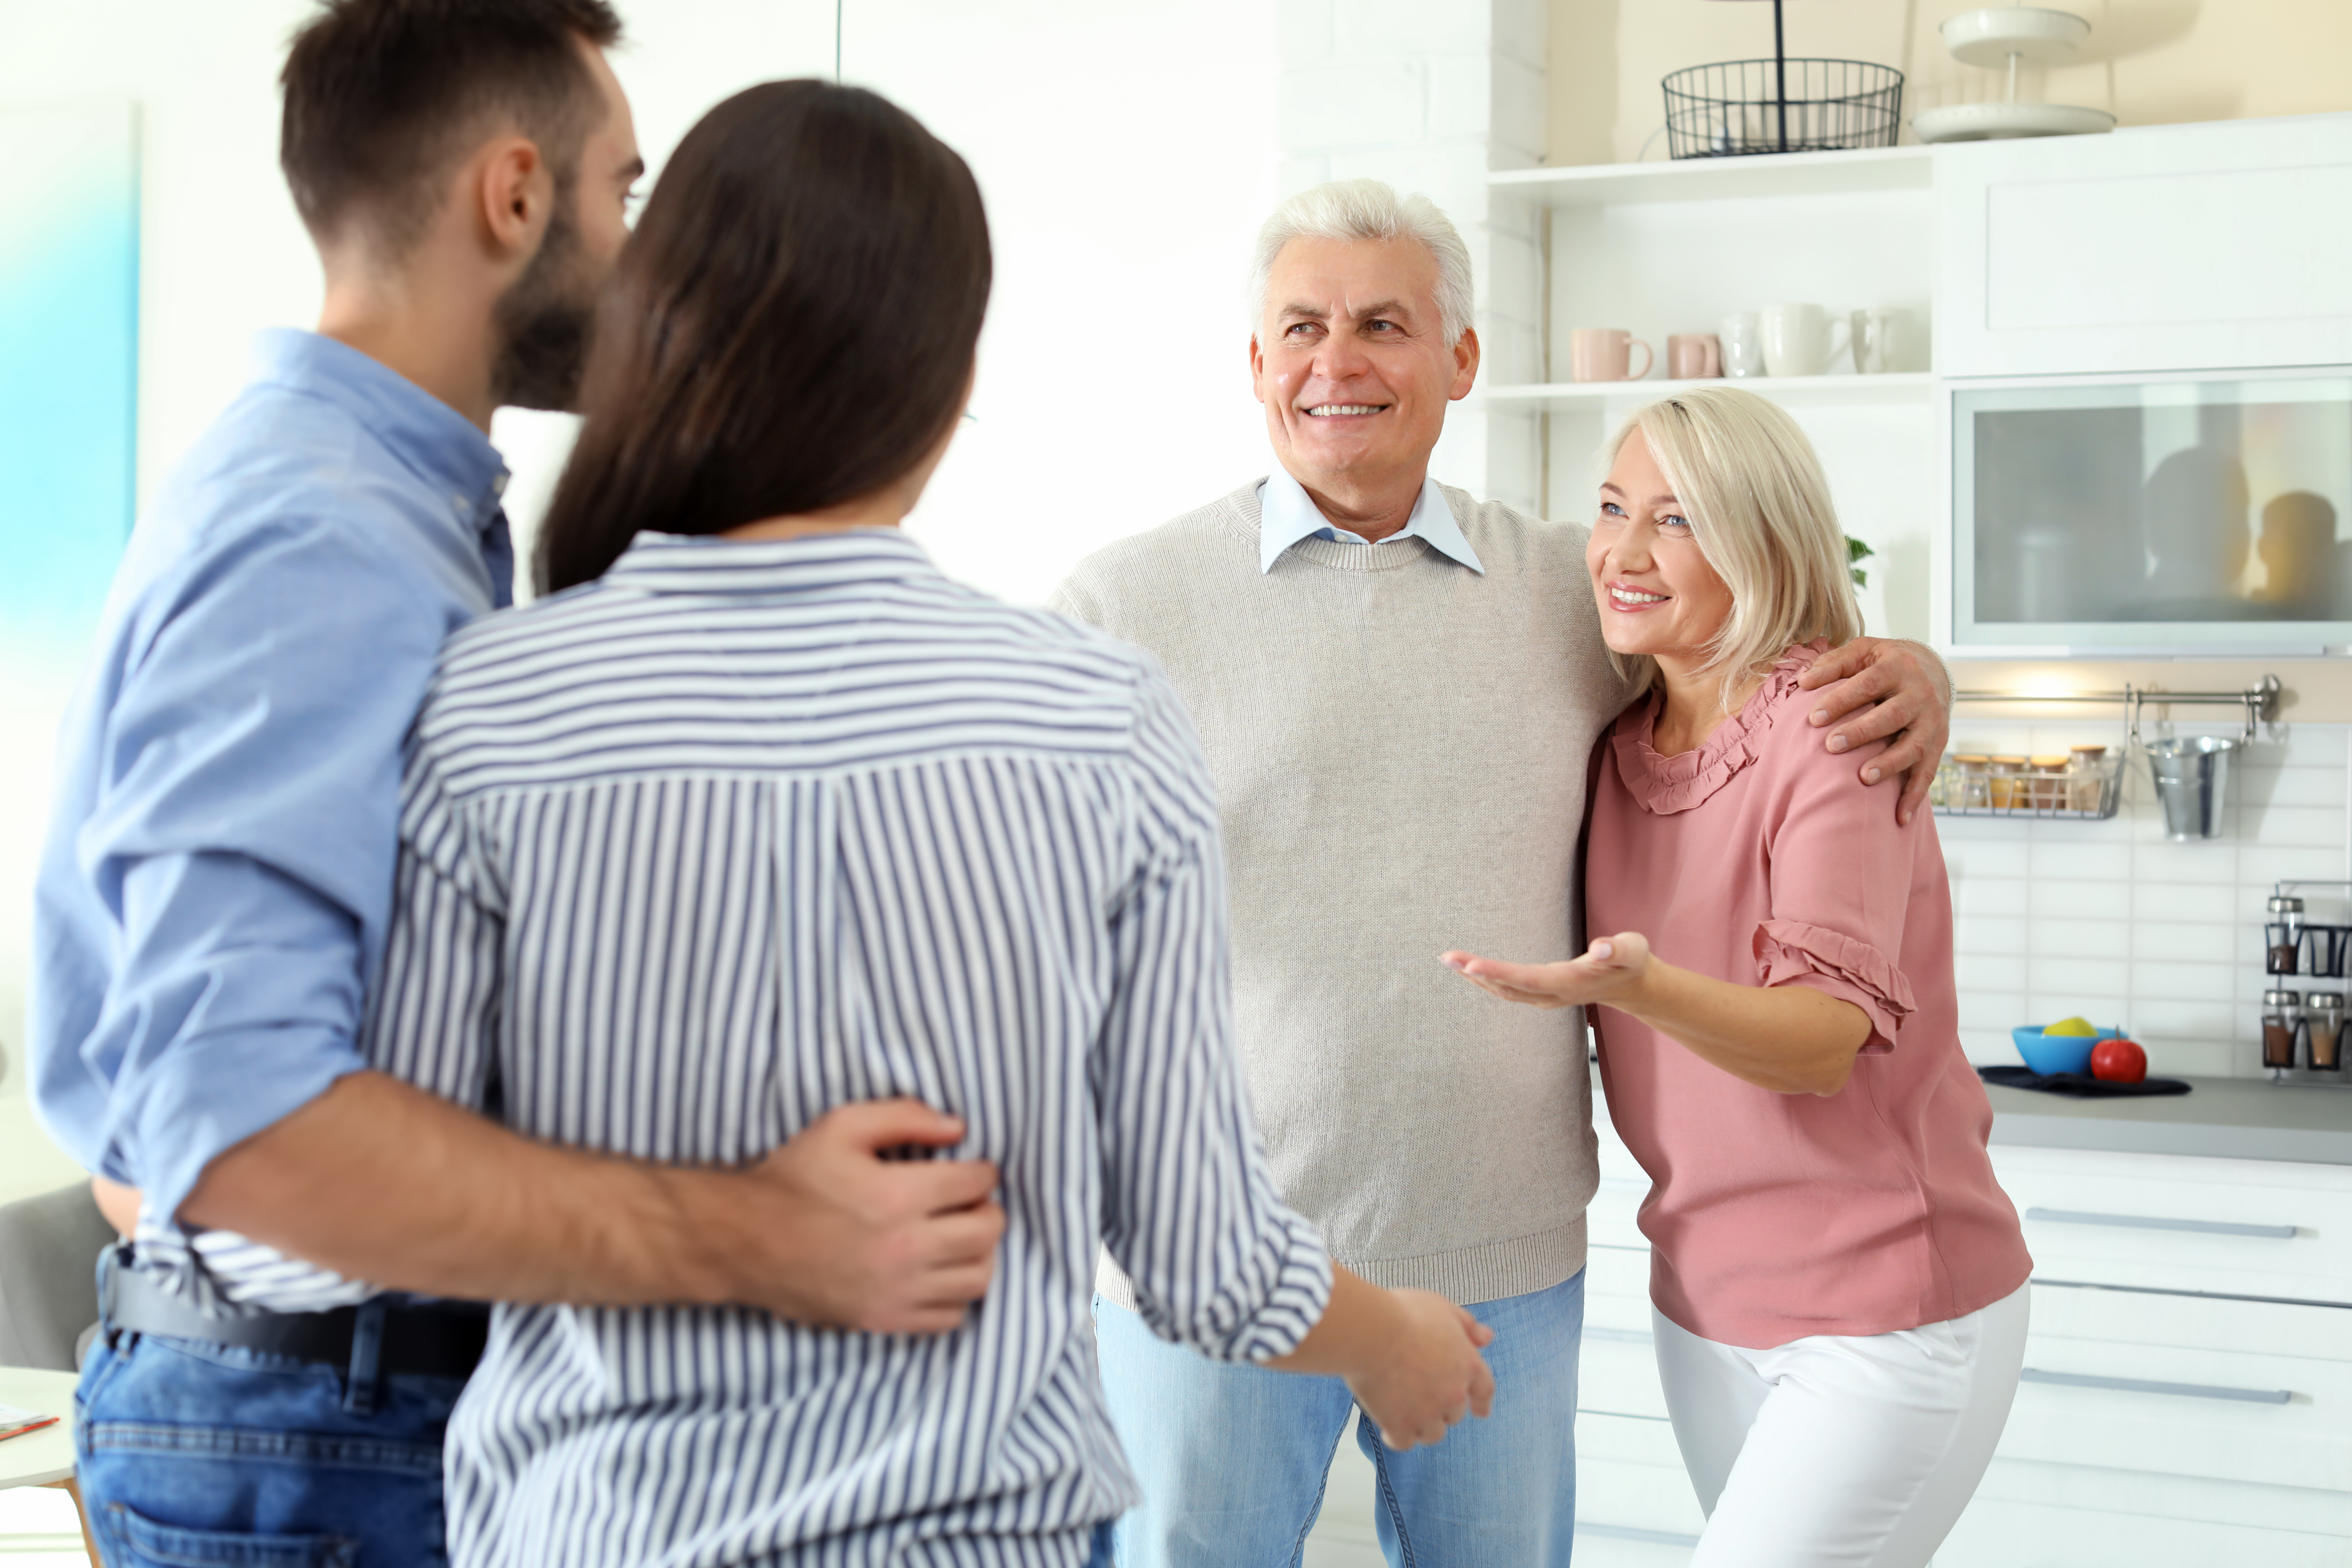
2079, 1085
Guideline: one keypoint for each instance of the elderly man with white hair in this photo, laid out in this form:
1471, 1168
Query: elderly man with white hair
1399, 687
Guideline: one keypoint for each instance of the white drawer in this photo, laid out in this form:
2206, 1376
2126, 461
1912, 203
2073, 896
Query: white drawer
2171, 1410
1619, 1377
1994, 1534
1629, 1476
2239, 1226
2299, 1510
2192, 1322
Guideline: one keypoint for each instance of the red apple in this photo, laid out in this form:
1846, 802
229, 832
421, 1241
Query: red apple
2118, 1061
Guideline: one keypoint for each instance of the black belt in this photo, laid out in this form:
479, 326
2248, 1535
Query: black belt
442, 1340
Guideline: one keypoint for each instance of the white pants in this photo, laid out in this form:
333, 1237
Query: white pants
1858, 1452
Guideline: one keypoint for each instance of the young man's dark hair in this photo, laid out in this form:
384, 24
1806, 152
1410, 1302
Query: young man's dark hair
381, 95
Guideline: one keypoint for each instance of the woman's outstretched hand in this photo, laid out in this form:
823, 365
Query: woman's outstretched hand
1611, 966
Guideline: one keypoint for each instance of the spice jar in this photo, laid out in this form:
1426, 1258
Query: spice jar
2283, 936
2008, 787
2323, 1014
1972, 785
2086, 778
2048, 784
2281, 1015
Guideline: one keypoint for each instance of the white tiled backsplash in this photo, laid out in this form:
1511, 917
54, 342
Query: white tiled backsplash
2108, 920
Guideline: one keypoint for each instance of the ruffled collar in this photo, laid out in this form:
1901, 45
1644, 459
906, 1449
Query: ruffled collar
1662, 785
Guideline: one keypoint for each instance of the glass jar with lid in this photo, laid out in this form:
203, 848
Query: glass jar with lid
1971, 781
2281, 1019
2323, 1025
2283, 936
2008, 785
2048, 784
2086, 778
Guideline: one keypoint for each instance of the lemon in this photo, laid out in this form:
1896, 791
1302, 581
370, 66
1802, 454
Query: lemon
2075, 1026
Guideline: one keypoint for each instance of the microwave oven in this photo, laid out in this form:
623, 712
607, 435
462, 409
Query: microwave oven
2178, 515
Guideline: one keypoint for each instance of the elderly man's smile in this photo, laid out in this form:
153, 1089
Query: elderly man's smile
1344, 410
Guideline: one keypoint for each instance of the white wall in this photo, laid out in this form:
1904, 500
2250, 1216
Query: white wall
1126, 150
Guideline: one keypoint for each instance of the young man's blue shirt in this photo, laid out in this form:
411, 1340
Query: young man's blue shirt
213, 894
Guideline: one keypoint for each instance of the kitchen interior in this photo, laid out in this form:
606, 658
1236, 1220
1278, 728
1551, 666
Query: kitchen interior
2064, 297
2060, 296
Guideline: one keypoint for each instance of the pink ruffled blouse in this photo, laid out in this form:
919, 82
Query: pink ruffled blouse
1761, 860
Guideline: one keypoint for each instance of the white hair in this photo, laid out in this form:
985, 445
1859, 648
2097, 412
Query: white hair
1349, 210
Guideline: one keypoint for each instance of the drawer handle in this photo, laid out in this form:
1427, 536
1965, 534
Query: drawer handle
2140, 1386
2148, 1222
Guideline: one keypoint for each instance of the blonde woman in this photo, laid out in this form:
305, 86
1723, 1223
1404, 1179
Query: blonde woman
1837, 1282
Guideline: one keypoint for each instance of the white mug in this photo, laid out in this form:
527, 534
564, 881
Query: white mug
1743, 343
1882, 339
1796, 340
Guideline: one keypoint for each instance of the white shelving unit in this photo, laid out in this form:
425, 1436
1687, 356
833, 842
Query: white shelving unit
1899, 386
1664, 248
1716, 179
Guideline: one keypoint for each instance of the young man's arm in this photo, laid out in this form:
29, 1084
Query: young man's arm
381, 1181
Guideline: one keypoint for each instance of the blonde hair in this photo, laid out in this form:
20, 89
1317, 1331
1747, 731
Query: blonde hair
1759, 505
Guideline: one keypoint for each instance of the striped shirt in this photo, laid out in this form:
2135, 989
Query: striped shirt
744, 832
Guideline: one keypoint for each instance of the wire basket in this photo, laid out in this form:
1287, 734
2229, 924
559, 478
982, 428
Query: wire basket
1739, 107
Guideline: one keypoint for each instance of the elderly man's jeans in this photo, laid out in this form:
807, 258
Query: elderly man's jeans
191, 1453
1232, 1459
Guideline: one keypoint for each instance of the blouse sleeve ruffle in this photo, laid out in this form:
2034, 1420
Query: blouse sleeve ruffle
1791, 953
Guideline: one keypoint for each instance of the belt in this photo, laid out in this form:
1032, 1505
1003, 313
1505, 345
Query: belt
442, 1340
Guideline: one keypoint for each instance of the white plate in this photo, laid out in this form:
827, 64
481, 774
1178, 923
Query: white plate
2000, 122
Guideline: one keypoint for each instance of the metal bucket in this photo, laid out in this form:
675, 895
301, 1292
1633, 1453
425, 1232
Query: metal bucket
2192, 780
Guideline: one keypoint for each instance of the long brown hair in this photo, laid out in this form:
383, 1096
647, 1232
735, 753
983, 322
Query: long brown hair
789, 329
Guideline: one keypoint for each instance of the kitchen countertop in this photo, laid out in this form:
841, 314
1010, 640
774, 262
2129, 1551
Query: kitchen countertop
2229, 1118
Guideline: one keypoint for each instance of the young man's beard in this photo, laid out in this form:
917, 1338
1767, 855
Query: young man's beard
542, 322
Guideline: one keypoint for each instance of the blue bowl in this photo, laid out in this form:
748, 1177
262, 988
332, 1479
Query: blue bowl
2057, 1053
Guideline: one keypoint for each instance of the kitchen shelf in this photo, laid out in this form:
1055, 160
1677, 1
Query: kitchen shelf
1896, 386
1716, 179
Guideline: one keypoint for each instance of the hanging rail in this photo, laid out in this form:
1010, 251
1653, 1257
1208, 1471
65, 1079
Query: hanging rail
2259, 702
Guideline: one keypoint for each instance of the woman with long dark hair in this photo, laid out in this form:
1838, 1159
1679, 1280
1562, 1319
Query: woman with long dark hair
759, 815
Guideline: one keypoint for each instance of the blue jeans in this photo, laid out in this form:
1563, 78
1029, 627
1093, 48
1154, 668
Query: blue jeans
198, 1454
1232, 1458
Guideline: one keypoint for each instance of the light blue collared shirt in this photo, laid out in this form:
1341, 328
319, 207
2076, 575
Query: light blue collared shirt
1287, 514
213, 898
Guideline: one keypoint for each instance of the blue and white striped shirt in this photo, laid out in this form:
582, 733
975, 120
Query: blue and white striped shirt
747, 831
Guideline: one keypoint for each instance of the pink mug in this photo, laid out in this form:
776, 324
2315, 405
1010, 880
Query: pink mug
1693, 356
1605, 354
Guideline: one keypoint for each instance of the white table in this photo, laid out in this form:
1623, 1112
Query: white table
45, 1457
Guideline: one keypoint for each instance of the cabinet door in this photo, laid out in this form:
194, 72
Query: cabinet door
2168, 247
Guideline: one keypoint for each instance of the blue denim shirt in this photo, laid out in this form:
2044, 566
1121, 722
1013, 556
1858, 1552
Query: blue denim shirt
212, 893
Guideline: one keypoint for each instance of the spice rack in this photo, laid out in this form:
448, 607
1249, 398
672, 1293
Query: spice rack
2304, 1042
2090, 789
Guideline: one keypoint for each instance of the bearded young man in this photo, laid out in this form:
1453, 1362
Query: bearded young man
214, 891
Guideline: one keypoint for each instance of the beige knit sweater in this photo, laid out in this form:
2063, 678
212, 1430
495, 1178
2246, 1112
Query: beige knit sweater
1400, 747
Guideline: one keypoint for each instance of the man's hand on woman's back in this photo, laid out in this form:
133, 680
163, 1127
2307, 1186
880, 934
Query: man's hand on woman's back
862, 1240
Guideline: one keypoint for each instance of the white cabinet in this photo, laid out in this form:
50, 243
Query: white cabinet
2170, 248
2189, 1397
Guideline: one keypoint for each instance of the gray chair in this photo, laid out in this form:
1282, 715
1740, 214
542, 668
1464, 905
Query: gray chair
48, 1276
